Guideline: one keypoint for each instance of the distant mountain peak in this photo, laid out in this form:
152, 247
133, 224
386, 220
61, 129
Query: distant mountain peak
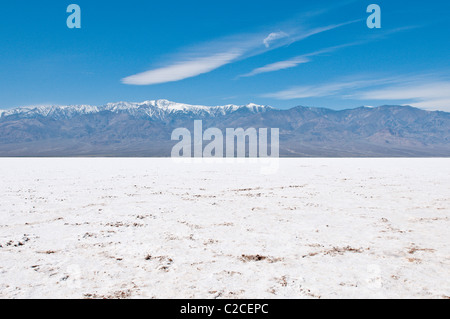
175, 106
149, 108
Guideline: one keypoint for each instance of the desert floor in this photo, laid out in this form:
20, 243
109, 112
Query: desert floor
157, 228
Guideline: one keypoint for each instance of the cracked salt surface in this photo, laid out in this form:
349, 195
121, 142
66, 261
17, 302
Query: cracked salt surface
153, 228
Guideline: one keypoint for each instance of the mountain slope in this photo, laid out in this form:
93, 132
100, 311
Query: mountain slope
144, 129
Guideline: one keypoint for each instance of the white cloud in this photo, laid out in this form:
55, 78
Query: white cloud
182, 70
300, 35
304, 58
281, 65
273, 37
434, 105
433, 95
291, 63
423, 91
278, 66
210, 56
322, 90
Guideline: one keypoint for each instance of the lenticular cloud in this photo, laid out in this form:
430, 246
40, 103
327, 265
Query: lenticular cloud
181, 70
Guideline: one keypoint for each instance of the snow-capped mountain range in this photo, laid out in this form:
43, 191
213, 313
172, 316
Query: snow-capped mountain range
154, 109
144, 129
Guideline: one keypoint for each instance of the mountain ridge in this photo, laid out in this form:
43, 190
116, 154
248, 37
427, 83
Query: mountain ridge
162, 105
170, 106
144, 129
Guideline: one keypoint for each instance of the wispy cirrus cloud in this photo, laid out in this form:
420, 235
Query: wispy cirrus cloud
273, 37
430, 92
320, 90
211, 56
305, 58
294, 62
182, 70
432, 95
287, 64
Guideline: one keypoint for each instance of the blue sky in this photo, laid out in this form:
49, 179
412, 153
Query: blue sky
279, 53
